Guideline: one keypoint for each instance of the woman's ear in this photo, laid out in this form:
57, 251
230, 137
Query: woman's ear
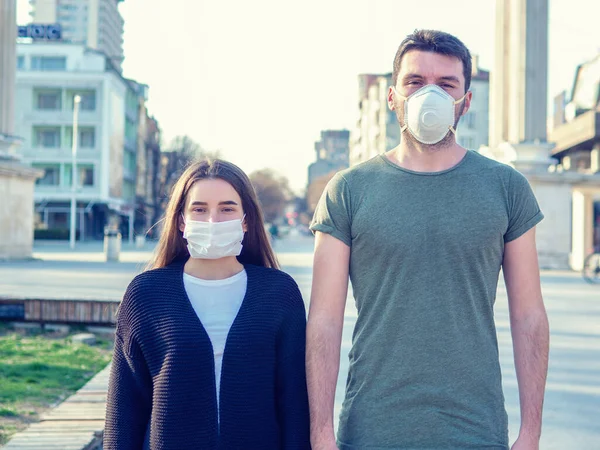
181, 223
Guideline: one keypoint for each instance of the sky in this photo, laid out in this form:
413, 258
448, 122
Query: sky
258, 80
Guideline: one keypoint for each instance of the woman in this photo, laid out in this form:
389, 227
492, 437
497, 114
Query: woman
209, 344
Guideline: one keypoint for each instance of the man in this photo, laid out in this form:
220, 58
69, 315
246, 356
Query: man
423, 231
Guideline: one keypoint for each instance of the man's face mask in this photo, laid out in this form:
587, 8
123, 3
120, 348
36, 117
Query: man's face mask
429, 113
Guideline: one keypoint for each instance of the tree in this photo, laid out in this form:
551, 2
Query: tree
182, 151
315, 190
273, 191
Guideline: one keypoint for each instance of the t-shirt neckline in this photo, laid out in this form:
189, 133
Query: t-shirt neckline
225, 281
414, 172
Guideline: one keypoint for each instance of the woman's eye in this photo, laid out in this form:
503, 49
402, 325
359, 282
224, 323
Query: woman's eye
199, 210
228, 210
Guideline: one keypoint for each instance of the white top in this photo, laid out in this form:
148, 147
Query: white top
217, 303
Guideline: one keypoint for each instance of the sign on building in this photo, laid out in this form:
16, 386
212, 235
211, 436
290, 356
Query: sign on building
38, 32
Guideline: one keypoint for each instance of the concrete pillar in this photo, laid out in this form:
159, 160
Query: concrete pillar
518, 81
16, 209
583, 221
8, 64
553, 235
595, 159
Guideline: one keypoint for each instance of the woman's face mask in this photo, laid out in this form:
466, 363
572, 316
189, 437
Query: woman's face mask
214, 240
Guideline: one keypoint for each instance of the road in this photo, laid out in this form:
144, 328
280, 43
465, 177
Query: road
572, 405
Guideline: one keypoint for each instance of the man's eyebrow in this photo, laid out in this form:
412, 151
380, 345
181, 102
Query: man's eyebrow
411, 75
450, 78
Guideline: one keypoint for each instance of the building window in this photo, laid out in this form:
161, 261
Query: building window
85, 175
20, 62
88, 99
50, 177
48, 137
48, 63
48, 99
87, 137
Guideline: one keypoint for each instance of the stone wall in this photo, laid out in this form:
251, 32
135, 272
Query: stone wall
16, 209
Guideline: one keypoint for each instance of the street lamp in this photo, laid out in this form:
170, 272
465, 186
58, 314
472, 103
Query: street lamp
76, 101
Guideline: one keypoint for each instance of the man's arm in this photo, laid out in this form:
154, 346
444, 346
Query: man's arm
324, 335
529, 329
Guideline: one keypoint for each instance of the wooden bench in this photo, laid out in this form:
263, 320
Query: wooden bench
75, 424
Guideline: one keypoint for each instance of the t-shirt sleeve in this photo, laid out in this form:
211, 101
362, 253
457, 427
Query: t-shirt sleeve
333, 212
523, 209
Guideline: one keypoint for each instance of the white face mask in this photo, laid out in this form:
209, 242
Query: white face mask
214, 240
429, 113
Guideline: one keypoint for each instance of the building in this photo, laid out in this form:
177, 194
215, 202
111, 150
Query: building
49, 76
577, 126
332, 153
376, 129
473, 129
563, 170
96, 24
148, 207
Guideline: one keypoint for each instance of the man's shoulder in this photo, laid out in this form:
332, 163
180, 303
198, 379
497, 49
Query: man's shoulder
361, 170
483, 162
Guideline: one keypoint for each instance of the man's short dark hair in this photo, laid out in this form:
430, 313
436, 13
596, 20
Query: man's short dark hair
436, 42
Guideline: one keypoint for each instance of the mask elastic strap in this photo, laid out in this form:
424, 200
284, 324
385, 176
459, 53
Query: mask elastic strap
456, 102
405, 126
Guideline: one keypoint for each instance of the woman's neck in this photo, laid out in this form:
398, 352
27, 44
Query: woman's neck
213, 269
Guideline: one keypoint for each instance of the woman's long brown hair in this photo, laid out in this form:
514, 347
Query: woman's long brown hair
172, 246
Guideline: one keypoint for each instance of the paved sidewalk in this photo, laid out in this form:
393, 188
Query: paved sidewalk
75, 424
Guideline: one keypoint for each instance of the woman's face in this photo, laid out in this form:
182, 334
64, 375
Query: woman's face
212, 200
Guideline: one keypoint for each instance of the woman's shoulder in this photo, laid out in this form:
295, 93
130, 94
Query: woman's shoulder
152, 281
270, 274
277, 285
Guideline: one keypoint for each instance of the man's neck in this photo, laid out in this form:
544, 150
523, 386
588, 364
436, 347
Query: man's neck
427, 159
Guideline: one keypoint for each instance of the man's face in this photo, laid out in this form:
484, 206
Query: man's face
418, 69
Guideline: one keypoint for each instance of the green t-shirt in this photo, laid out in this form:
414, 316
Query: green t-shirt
426, 252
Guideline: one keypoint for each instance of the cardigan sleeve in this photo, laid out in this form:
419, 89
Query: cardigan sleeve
292, 396
129, 399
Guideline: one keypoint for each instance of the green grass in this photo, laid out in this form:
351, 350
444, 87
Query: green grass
38, 371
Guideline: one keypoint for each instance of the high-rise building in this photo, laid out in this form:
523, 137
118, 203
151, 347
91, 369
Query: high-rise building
97, 24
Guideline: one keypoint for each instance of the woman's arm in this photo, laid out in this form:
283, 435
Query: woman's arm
292, 396
129, 399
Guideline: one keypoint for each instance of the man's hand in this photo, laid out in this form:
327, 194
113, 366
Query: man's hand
525, 442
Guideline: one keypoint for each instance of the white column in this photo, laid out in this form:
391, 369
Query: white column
8, 64
583, 214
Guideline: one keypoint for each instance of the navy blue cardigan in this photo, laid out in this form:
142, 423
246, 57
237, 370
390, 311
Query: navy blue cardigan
163, 372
